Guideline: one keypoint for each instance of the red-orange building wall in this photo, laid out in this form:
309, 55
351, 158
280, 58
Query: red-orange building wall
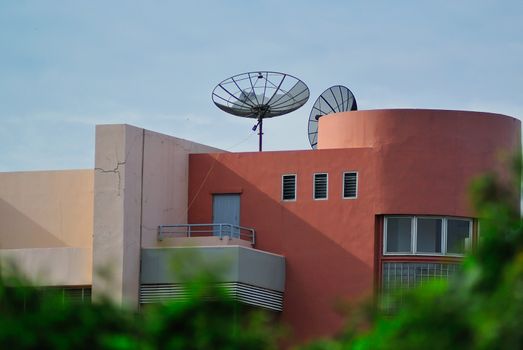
408, 162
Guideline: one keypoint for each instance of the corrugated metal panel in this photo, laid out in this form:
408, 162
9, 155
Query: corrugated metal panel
244, 293
261, 297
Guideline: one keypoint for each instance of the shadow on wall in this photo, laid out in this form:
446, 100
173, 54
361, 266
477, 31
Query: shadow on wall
319, 272
17, 230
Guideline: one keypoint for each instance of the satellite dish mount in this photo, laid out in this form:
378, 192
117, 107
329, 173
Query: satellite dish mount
260, 131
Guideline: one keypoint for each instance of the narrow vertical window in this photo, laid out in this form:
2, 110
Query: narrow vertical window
321, 186
350, 185
288, 190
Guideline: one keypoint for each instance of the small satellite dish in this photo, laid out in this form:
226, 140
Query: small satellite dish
335, 99
260, 95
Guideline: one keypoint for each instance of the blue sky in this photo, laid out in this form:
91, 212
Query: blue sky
68, 65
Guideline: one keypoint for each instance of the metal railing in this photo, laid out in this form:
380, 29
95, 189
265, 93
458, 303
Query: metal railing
206, 230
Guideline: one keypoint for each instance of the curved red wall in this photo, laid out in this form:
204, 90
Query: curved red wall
426, 157
408, 161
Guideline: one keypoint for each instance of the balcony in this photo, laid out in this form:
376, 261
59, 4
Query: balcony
250, 276
207, 235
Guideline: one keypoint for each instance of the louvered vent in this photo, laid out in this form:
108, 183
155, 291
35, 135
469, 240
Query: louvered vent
77, 295
244, 293
350, 185
320, 186
289, 187
73, 295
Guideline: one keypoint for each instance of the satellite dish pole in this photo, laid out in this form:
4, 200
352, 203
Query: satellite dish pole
260, 132
260, 95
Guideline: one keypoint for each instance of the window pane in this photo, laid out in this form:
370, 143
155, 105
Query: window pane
399, 235
458, 233
428, 239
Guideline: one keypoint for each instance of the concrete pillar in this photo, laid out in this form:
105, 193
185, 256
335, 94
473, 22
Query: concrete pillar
117, 213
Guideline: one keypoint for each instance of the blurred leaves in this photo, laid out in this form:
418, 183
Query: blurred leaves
206, 319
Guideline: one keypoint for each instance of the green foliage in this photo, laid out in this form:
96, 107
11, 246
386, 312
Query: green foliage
30, 319
207, 319
482, 308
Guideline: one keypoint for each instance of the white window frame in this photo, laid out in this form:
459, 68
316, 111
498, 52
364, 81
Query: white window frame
295, 188
314, 187
412, 240
343, 184
414, 235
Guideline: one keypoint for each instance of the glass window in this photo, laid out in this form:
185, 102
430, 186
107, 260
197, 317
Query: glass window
429, 233
426, 235
399, 235
458, 235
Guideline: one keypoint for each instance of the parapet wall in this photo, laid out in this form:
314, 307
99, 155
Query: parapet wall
46, 209
426, 159
426, 129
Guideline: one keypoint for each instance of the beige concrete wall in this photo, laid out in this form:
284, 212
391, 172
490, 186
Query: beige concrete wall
140, 182
165, 183
49, 266
44, 209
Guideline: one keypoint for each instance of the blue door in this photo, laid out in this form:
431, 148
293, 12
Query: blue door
226, 210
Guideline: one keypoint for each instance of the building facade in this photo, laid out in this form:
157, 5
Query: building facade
382, 203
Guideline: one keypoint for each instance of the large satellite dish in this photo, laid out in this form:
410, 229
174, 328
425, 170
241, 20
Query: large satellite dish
260, 95
335, 99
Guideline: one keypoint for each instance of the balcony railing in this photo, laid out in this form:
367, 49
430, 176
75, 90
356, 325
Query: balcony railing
206, 230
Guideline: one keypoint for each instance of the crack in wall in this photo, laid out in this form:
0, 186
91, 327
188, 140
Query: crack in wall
115, 170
